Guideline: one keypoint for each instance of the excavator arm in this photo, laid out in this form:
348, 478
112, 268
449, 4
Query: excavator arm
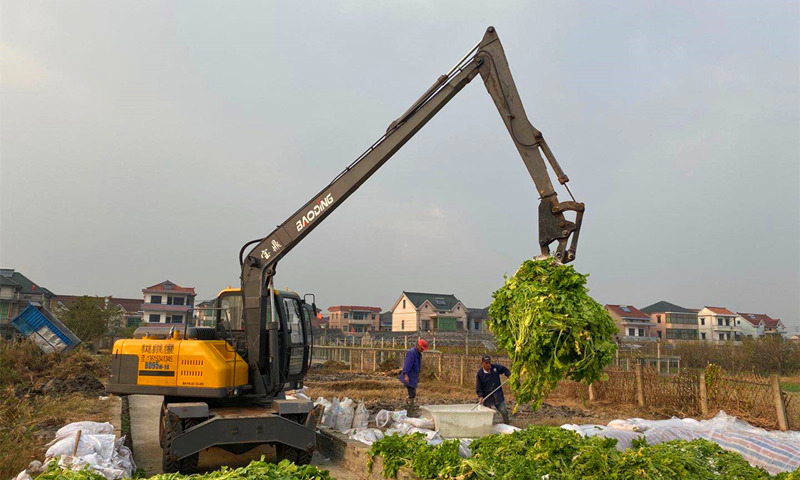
486, 59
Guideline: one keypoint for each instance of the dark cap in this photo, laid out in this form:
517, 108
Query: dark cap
486, 358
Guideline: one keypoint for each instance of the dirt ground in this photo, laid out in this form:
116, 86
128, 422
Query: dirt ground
384, 391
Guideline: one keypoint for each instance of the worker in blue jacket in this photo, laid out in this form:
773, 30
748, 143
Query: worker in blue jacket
410, 374
488, 379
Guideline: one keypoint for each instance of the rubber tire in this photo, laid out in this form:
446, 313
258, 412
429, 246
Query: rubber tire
174, 426
162, 419
190, 463
295, 455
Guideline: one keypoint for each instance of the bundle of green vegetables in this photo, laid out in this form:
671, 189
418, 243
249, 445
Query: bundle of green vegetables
544, 318
558, 454
255, 470
397, 451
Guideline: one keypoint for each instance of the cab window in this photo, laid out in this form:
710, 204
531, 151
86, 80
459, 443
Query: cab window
293, 321
307, 318
230, 305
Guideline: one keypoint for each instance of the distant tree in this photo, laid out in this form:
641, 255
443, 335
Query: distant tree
88, 317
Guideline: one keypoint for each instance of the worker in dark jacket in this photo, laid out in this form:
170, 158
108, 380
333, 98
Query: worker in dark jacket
488, 379
410, 373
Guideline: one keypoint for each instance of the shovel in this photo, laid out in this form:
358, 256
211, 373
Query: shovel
489, 395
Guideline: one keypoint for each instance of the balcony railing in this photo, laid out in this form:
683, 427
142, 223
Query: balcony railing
359, 322
635, 339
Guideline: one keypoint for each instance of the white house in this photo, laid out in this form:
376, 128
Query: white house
421, 312
752, 324
718, 324
633, 324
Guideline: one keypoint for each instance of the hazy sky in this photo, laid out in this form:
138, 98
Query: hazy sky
144, 141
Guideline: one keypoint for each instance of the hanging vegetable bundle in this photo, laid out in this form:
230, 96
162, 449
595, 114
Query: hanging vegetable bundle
544, 318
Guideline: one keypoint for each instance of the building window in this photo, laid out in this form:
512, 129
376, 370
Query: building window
346, 315
631, 332
175, 301
402, 324
373, 316
722, 336
4, 308
702, 321
641, 332
404, 303
719, 322
154, 318
177, 318
682, 318
155, 299
681, 334
703, 336
659, 334
658, 318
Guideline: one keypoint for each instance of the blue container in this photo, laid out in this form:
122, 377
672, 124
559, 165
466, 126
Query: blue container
43, 328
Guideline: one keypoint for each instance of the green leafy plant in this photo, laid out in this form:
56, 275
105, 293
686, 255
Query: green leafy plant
551, 328
440, 461
396, 451
255, 470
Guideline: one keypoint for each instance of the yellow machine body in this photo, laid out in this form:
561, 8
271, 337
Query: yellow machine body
177, 367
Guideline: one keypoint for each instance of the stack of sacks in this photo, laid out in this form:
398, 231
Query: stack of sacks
97, 448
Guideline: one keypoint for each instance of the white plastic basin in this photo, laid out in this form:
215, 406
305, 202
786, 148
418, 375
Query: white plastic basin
460, 421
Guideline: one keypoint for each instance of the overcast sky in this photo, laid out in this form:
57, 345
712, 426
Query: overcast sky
144, 141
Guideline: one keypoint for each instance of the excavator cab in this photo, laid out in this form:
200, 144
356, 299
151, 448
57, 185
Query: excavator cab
294, 316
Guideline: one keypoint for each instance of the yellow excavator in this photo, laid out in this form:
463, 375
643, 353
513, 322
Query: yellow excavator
225, 386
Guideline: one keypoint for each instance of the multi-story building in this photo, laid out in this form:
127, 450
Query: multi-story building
672, 322
477, 319
354, 318
385, 321
167, 302
718, 324
751, 324
774, 326
16, 290
422, 312
633, 324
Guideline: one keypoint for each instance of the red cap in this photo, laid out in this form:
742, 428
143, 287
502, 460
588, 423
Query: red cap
422, 343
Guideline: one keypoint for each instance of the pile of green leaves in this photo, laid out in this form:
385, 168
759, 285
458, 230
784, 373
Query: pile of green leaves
256, 470
554, 453
544, 318
397, 451
538, 451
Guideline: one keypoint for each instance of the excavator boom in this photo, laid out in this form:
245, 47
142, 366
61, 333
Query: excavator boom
486, 59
